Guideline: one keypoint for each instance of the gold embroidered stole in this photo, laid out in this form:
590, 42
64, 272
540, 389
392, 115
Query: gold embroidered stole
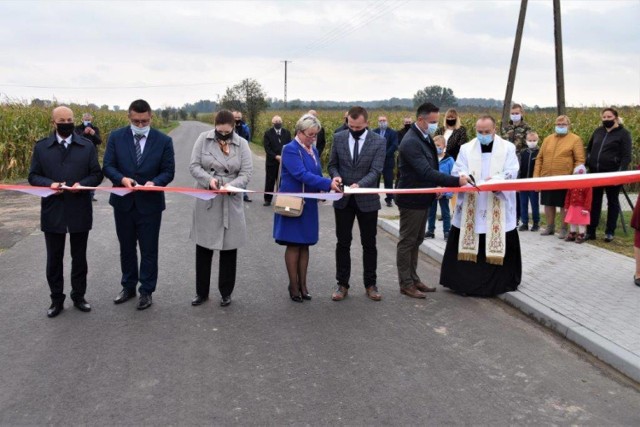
495, 238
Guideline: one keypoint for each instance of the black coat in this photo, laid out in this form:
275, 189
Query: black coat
418, 168
66, 212
321, 141
527, 162
95, 138
273, 144
609, 151
457, 138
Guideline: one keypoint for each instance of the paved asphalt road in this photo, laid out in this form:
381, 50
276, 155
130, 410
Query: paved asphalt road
267, 360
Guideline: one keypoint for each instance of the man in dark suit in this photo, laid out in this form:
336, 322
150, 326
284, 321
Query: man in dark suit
407, 122
274, 138
90, 131
357, 159
390, 159
418, 168
138, 155
65, 158
345, 125
244, 131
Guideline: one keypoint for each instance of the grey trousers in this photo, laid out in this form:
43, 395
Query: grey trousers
413, 223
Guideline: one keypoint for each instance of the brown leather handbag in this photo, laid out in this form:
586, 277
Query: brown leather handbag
285, 205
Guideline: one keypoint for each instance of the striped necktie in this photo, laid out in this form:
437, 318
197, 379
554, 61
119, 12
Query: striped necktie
137, 137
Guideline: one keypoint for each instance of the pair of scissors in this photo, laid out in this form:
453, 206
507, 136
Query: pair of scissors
472, 181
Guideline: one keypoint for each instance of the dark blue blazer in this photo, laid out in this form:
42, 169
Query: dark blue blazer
66, 212
392, 146
157, 165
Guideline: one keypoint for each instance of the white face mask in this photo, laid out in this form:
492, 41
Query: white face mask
516, 117
137, 129
532, 144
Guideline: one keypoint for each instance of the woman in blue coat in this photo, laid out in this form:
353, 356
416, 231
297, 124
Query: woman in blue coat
301, 166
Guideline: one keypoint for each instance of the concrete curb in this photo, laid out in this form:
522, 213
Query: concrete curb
602, 348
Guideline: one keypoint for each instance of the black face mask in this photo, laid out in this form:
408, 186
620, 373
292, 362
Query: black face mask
451, 122
407, 127
238, 122
357, 133
223, 137
65, 129
608, 123
277, 126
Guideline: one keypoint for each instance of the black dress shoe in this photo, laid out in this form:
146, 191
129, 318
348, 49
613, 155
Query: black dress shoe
225, 301
55, 309
266, 204
124, 295
82, 305
306, 297
199, 300
608, 238
144, 301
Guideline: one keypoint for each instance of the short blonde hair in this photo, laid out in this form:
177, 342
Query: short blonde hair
306, 122
565, 117
439, 138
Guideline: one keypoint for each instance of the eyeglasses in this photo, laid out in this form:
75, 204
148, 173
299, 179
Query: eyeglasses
314, 136
141, 122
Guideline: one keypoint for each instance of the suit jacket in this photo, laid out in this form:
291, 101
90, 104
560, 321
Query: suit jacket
366, 172
273, 144
157, 165
418, 168
95, 138
391, 136
72, 212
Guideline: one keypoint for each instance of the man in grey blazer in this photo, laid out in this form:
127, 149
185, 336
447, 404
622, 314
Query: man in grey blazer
357, 159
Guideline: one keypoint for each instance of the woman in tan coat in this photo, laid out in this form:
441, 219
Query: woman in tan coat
560, 154
219, 158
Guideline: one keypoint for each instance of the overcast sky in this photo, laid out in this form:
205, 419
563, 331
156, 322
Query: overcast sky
171, 53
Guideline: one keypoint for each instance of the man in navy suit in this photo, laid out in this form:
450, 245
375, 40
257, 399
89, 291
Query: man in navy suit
357, 159
138, 155
391, 136
65, 158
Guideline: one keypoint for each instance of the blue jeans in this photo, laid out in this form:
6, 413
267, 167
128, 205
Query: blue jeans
525, 196
444, 210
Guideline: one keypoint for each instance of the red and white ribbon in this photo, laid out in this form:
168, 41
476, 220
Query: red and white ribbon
528, 184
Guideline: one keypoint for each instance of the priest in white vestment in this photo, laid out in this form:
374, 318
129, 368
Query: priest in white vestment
482, 256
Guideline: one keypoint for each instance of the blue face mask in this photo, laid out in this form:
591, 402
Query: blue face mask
383, 125
86, 123
432, 128
136, 129
562, 130
440, 150
484, 139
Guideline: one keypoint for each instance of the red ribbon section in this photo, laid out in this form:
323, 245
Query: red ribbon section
527, 184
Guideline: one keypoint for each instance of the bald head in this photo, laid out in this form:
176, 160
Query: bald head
62, 114
62, 118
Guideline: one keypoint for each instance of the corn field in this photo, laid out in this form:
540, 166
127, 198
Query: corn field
583, 122
22, 125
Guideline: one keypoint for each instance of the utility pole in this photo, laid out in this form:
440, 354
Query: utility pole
557, 30
285, 81
506, 108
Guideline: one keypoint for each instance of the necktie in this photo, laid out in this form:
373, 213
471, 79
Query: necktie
382, 133
64, 144
356, 148
137, 137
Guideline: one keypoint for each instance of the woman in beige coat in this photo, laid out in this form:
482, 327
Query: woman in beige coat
219, 158
560, 153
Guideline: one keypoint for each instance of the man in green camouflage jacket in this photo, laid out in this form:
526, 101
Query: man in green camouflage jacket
516, 131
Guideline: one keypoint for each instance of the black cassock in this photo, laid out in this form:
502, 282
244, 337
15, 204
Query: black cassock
480, 278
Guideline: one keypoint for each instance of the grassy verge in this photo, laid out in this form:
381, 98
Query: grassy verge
622, 243
169, 126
